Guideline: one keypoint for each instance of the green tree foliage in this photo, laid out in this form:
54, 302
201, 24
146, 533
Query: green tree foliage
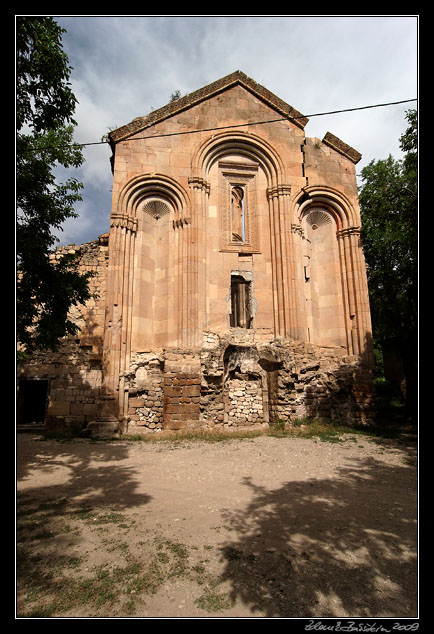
388, 201
46, 290
389, 207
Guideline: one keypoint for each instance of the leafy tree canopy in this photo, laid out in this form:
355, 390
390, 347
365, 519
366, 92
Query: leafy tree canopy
388, 200
46, 289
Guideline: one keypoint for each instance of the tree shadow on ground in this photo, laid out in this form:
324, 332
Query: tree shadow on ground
92, 472
337, 547
76, 503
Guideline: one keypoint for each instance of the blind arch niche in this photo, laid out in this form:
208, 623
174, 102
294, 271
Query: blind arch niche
323, 292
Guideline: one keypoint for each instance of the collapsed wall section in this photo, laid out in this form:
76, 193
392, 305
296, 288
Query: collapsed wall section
234, 384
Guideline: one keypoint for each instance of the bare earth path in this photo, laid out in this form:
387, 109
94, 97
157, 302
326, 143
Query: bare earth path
265, 528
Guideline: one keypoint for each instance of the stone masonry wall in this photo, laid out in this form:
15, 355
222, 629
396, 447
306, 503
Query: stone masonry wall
74, 371
229, 384
311, 381
145, 385
181, 400
320, 383
245, 402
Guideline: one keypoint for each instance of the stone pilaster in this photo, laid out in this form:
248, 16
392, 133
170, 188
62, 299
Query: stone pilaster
198, 244
117, 324
355, 293
285, 294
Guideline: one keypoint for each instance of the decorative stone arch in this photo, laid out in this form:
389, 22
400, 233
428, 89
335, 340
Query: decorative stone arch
152, 186
336, 202
255, 153
244, 143
159, 205
335, 249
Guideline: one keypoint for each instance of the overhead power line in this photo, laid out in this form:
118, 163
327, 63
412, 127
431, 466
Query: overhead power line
157, 136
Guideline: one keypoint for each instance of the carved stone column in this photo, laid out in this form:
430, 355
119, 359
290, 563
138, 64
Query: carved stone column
300, 318
283, 263
197, 308
355, 288
117, 334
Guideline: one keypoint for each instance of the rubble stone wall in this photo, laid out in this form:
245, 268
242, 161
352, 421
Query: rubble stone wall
180, 389
145, 385
234, 382
245, 403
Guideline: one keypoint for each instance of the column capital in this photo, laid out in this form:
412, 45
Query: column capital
123, 221
297, 228
278, 190
348, 231
197, 182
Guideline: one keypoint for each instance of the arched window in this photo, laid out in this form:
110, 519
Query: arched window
238, 214
238, 201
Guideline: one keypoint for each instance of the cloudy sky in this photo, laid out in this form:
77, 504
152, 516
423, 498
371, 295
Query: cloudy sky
127, 66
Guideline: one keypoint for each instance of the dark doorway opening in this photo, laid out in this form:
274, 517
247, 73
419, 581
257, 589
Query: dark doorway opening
32, 401
241, 312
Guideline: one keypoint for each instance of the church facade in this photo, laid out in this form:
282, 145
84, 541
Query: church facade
232, 283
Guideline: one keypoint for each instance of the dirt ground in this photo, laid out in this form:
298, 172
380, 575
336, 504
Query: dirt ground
254, 528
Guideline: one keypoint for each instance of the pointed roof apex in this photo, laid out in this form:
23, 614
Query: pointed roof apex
183, 103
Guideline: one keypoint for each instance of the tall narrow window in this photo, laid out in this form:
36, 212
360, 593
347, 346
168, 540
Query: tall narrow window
241, 312
238, 214
238, 205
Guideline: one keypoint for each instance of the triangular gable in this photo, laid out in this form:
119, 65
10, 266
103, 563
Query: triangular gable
183, 103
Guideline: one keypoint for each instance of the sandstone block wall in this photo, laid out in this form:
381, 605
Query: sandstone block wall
181, 400
232, 290
74, 372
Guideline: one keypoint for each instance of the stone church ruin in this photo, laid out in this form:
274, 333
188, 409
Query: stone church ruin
231, 284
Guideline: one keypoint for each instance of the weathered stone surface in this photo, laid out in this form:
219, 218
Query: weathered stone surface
231, 285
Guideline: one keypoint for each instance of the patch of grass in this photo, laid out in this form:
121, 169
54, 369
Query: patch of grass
204, 435
174, 555
56, 580
111, 517
50, 588
324, 431
302, 427
212, 601
298, 422
277, 427
317, 429
46, 594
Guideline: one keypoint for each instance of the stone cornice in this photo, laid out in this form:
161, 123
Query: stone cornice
183, 103
343, 148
